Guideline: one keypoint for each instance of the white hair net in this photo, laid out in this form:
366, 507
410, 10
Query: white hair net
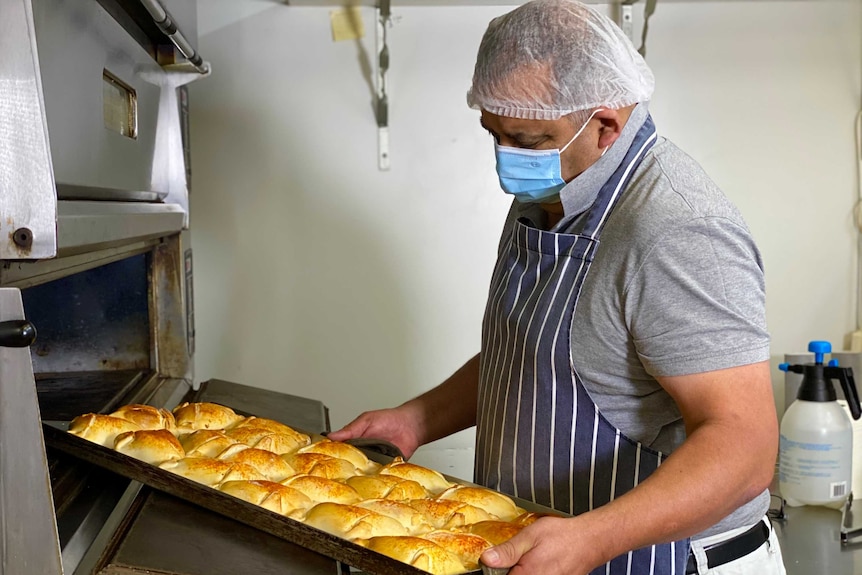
550, 58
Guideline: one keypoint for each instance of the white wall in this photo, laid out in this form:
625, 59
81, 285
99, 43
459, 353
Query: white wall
318, 275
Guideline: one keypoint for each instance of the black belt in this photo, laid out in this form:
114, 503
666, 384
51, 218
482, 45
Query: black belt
732, 549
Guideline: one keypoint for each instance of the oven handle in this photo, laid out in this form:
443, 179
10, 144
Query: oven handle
17, 333
169, 28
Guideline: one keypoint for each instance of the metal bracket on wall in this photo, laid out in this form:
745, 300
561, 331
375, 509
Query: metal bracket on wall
382, 104
625, 19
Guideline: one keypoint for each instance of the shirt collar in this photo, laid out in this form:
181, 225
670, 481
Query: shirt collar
579, 194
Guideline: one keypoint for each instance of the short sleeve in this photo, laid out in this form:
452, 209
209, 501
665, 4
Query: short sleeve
698, 301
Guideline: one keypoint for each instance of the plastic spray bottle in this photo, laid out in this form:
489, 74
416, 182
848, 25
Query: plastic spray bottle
816, 450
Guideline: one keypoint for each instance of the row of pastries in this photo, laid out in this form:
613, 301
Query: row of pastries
405, 511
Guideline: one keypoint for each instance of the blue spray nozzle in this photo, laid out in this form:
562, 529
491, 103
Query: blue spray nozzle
784, 366
819, 348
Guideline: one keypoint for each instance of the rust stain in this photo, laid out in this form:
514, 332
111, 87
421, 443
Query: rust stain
119, 364
23, 252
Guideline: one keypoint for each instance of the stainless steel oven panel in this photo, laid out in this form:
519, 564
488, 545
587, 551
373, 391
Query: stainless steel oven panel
87, 226
28, 528
78, 41
28, 207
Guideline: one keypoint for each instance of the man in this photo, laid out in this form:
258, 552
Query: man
623, 376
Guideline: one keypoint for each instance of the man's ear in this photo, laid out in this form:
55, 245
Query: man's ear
611, 125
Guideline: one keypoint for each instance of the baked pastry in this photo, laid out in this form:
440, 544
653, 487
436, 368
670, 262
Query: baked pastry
323, 490
352, 522
321, 465
270, 466
495, 503
211, 472
494, 531
387, 487
261, 438
279, 498
443, 514
530, 517
206, 443
272, 425
344, 451
412, 520
193, 416
431, 480
101, 429
466, 546
147, 417
154, 446
420, 553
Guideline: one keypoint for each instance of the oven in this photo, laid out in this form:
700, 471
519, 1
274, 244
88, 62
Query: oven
96, 299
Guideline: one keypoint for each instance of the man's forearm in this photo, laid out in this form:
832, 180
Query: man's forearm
449, 407
706, 479
727, 459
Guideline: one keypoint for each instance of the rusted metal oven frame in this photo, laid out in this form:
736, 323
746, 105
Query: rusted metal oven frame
77, 211
74, 197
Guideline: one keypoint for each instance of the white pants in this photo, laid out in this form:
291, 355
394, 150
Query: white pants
765, 560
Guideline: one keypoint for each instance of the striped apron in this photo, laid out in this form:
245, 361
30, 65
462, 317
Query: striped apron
539, 435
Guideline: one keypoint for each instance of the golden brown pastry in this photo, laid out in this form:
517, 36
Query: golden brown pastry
154, 446
321, 465
418, 552
495, 503
323, 490
193, 416
271, 466
466, 546
530, 517
274, 426
206, 443
494, 531
352, 522
412, 520
431, 480
101, 429
279, 498
147, 417
387, 487
443, 514
261, 438
342, 451
211, 472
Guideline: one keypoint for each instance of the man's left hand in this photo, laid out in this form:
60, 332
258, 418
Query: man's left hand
550, 546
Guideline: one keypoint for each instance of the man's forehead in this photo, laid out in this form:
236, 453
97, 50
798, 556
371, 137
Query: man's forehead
509, 125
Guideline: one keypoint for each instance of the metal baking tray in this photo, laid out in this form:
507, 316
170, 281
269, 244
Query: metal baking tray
247, 513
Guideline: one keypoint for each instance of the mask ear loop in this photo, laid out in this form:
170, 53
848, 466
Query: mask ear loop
578, 133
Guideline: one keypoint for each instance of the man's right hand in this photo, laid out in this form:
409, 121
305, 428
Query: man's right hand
449, 407
395, 425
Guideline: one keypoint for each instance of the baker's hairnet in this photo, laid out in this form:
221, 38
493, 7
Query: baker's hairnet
549, 58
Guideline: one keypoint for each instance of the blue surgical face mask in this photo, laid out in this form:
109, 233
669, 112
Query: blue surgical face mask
532, 175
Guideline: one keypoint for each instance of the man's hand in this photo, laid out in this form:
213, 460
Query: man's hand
449, 407
550, 546
394, 425
727, 459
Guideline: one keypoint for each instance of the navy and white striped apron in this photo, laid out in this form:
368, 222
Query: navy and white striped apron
539, 435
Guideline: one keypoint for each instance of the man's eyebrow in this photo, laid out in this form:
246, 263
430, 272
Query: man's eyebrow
519, 136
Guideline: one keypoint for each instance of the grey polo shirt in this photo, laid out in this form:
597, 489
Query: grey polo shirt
676, 288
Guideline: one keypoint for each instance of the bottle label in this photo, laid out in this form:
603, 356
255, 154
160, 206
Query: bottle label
811, 470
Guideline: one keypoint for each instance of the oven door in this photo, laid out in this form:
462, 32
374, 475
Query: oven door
28, 528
